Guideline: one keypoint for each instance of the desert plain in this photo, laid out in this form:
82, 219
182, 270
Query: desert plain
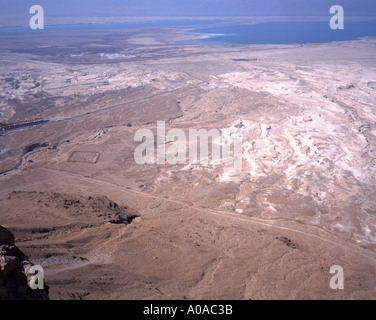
104, 227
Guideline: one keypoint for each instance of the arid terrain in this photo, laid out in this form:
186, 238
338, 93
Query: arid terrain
104, 227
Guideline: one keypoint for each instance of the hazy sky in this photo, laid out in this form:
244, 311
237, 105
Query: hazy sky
72, 8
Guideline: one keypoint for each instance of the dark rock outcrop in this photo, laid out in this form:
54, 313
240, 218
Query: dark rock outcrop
14, 272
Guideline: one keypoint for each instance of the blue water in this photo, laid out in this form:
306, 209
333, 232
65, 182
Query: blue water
111, 26
284, 33
260, 33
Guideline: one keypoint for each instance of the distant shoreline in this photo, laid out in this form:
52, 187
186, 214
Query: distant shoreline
292, 32
225, 31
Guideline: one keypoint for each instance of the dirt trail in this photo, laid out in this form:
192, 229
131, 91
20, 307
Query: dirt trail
258, 221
